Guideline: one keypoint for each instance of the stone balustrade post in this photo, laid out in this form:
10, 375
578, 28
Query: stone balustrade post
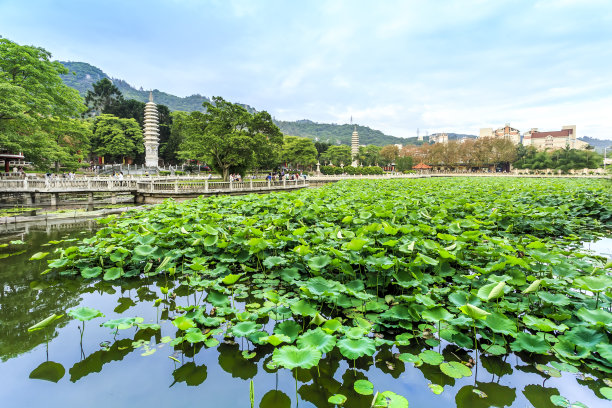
206, 185
176, 186
284, 182
269, 183
151, 186
231, 185
251, 183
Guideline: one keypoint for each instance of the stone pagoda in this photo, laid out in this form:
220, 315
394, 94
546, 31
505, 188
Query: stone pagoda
355, 148
151, 133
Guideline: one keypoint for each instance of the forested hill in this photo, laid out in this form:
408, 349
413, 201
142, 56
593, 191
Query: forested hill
598, 144
84, 75
332, 133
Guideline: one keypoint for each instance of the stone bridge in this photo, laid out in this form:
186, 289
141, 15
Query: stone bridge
148, 190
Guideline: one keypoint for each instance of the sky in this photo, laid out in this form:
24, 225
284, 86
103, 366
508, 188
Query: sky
396, 66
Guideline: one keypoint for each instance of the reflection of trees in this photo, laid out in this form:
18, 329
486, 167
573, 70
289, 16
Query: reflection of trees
539, 396
23, 306
497, 396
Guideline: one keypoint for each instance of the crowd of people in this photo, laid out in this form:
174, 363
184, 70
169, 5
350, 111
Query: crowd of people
285, 176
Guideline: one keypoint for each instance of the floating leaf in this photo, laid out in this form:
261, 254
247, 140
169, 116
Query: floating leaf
455, 369
337, 399
317, 339
436, 389
291, 357
39, 255
353, 349
84, 313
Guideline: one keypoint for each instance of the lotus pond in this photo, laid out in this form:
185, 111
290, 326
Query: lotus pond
454, 292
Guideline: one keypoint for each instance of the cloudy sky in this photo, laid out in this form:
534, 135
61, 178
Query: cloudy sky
396, 66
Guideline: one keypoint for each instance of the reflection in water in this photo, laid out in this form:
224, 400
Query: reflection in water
27, 297
48, 371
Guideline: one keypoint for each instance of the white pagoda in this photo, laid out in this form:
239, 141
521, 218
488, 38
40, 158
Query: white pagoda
151, 133
355, 148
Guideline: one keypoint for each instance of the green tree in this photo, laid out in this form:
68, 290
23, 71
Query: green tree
321, 148
71, 139
116, 137
228, 137
369, 155
403, 163
299, 151
104, 95
33, 99
337, 155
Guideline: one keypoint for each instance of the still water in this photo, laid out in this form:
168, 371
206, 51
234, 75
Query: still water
109, 370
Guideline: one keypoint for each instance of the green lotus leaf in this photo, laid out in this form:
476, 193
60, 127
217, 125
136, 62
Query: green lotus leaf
291, 357
113, 273
93, 272
210, 321
499, 323
431, 357
211, 342
436, 314
355, 333
436, 389
530, 343
289, 328
275, 399
411, 358
122, 323
144, 250
353, 349
210, 240
495, 350
44, 323
337, 399
272, 261
150, 326
183, 323
533, 286
606, 392
363, 387
317, 339
455, 369
194, 335
563, 366
485, 291
356, 244
59, 263
593, 283
559, 401
460, 298
275, 339
556, 299
217, 299
290, 274
48, 371
553, 372
597, 317
497, 291
389, 399
243, 329
568, 350
303, 308
605, 351
474, 312
39, 255
319, 262
543, 324
84, 313
331, 326
585, 337
231, 279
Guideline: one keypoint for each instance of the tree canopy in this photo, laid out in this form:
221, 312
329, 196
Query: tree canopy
116, 137
33, 102
337, 155
299, 151
229, 138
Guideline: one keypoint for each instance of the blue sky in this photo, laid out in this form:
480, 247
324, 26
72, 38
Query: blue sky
391, 65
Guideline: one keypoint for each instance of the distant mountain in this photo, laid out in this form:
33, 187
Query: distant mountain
598, 144
457, 136
339, 134
84, 75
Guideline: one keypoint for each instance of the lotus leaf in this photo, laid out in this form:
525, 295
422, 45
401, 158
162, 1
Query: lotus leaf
183, 323
84, 313
231, 279
474, 312
291, 357
593, 283
113, 273
144, 250
194, 335
596, 317
436, 389
319, 262
606, 392
568, 350
356, 244
337, 399
543, 324
317, 339
289, 328
584, 337
389, 399
436, 314
243, 329
39, 255
455, 369
353, 349
363, 387
303, 308
272, 261
331, 326
530, 343
559, 401
533, 286
556, 299
276, 339
499, 323
122, 323
44, 323
431, 357
93, 272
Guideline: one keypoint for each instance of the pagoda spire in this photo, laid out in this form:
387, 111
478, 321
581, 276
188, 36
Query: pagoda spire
151, 133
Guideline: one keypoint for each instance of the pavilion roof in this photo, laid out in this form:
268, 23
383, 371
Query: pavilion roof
421, 166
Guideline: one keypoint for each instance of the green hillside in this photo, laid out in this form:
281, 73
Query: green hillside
83, 75
332, 133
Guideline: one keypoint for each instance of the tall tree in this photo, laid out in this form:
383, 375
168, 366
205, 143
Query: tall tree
369, 155
104, 94
299, 151
337, 155
228, 137
33, 99
116, 138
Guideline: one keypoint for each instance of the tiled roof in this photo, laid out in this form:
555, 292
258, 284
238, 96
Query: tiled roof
558, 133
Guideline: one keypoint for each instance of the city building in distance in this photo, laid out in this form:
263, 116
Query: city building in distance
556, 139
506, 132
